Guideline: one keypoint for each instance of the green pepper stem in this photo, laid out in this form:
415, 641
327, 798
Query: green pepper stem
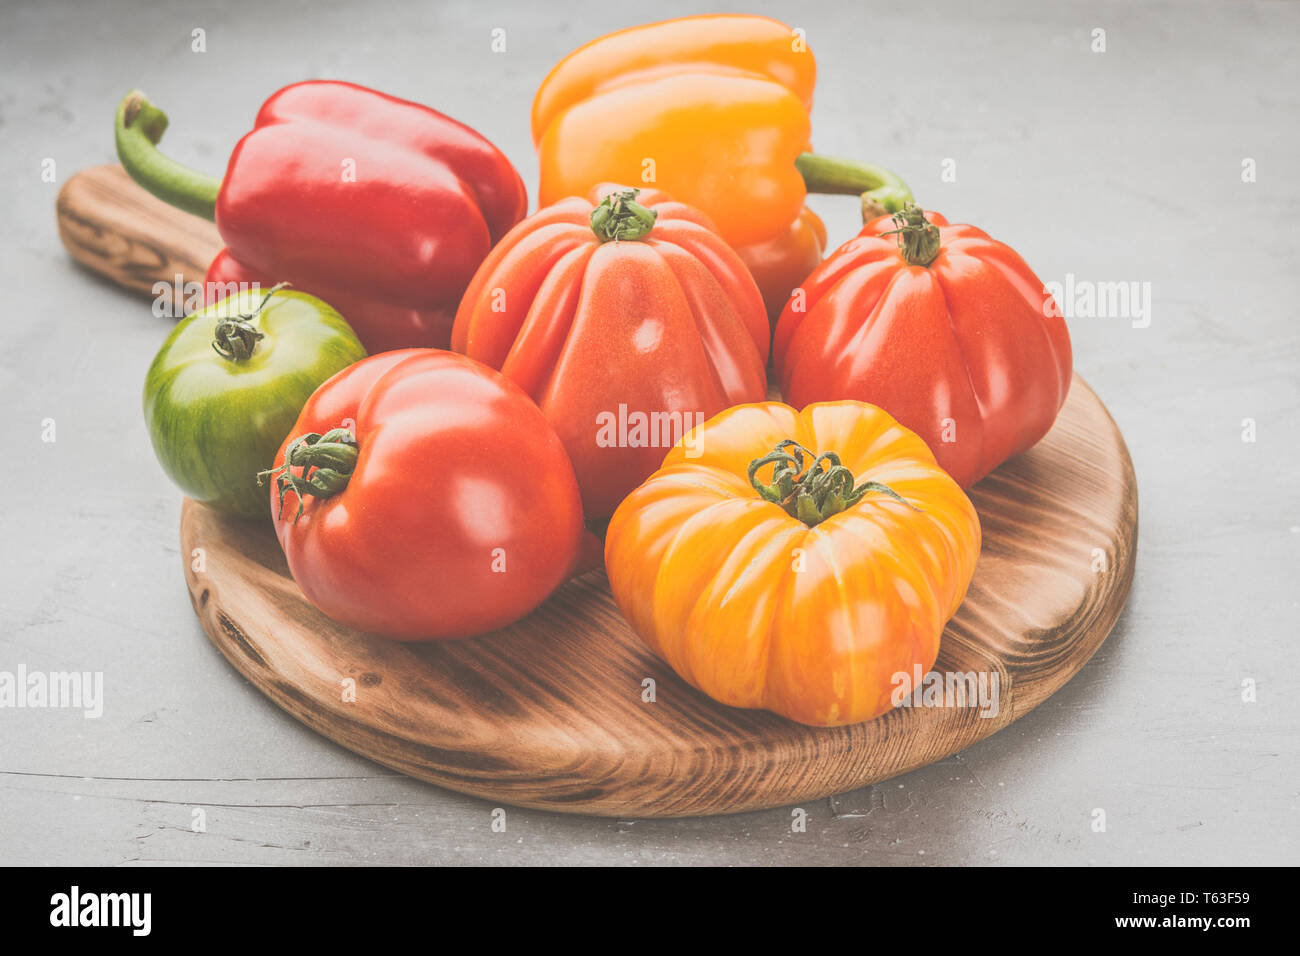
814, 494
621, 218
326, 462
881, 191
138, 128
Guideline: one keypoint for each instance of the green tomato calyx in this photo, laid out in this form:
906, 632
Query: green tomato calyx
235, 337
814, 494
621, 217
325, 464
918, 238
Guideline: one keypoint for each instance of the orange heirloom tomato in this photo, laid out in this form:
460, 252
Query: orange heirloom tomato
795, 560
628, 320
713, 110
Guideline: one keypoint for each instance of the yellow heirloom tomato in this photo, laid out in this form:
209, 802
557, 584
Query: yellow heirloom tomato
795, 560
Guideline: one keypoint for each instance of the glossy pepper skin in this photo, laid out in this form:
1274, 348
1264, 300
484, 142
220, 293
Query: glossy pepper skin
656, 327
757, 608
380, 206
719, 104
945, 328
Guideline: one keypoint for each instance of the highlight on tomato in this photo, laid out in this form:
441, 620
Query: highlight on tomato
628, 320
423, 496
797, 561
945, 328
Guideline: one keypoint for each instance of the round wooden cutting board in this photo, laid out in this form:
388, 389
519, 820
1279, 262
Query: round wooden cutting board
552, 712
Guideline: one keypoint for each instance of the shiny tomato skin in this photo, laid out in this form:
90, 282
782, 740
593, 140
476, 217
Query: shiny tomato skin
461, 515
666, 329
969, 351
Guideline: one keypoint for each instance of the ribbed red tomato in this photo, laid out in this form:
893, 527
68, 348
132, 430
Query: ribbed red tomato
946, 329
628, 320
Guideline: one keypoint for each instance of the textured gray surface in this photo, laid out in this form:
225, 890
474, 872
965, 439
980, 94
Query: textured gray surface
1115, 166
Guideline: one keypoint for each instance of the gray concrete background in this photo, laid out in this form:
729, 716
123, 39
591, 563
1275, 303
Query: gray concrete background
1115, 166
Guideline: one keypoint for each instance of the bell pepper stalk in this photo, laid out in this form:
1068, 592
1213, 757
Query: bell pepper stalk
381, 207
138, 129
880, 190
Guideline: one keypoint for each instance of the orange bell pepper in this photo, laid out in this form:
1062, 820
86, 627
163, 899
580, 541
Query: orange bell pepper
715, 111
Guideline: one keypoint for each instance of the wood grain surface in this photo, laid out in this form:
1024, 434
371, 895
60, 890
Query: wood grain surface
113, 227
549, 713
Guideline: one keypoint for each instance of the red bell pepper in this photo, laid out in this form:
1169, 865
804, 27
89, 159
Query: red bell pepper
382, 207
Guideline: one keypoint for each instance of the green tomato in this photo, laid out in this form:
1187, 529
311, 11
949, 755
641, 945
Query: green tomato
227, 386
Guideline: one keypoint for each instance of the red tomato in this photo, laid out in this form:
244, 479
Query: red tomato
947, 330
455, 512
628, 320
